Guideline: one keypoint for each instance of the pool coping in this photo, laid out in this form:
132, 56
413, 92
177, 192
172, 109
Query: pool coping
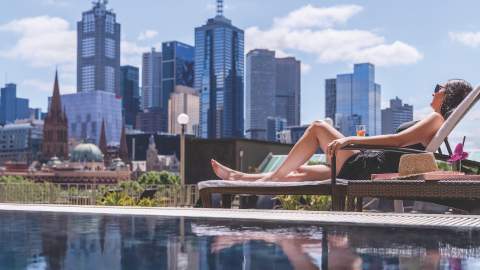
439, 221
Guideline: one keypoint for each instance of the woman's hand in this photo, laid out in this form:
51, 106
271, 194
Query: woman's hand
338, 144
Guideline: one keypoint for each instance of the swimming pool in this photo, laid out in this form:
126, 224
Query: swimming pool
110, 240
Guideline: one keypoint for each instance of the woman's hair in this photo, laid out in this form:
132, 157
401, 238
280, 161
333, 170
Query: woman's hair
455, 91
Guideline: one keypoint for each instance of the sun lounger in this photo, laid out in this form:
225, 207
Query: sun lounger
336, 185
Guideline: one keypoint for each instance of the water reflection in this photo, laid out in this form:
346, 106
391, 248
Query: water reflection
62, 241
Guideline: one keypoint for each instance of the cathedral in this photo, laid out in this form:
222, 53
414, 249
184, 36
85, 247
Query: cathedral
55, 129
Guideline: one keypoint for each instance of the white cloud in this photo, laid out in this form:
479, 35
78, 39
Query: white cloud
471, 39
301, 31
311, 16
132, 53
305, 68
43, 41
147, 34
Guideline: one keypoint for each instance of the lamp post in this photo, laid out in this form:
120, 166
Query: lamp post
182, 119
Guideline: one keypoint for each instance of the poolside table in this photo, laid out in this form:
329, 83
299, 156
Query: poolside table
459, 193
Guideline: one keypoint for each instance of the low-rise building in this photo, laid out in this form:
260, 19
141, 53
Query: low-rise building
21, 141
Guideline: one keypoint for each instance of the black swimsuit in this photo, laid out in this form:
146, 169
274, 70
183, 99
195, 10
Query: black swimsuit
361, 165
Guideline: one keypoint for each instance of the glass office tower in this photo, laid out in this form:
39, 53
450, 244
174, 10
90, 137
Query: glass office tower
219, 77
177, 70
130, 93
330, 98
358, 100
98, 50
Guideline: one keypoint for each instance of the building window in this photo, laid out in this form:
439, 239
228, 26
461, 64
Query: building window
109, 79
88, 23
88, 47
110, 48
88, 78
110, 24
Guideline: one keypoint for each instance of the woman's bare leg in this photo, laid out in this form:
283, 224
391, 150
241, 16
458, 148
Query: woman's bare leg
318, 134
303, 173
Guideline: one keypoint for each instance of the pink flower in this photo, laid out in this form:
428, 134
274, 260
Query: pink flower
458, 154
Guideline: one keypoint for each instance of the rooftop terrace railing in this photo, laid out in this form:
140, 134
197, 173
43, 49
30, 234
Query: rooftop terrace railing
91, 194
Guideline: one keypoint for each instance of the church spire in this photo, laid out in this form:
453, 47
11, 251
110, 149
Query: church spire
102, 144
56, 104
123, 151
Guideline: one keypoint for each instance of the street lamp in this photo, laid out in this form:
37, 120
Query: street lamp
182, 119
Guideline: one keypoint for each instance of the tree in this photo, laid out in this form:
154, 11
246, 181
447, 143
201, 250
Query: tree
158, 178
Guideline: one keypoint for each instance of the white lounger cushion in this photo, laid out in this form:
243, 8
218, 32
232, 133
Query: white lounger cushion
453, 120
225, 183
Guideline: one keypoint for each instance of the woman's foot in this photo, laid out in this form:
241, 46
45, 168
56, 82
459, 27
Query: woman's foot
225, 173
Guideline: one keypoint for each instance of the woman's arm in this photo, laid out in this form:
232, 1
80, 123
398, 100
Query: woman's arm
421, 132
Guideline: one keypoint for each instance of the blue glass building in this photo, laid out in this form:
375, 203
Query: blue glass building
219, 78
177, 69
330, 98
130, 92
85, 112
358, 101
11, 107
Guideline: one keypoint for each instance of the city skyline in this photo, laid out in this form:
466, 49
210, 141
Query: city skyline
424, 71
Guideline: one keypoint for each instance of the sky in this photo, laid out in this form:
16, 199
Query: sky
413, 44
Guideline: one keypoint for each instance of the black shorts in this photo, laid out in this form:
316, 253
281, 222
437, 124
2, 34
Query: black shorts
361, 165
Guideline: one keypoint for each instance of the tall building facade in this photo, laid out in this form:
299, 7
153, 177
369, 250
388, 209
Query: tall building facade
151, 120
177, 66
184, 100
151, 79
87, 110
274, 126
288, 85
12, 107
130, 93
358, 100
98, 50
272, 90
260, 80
55, 128
219, 77
330, 98
397, 114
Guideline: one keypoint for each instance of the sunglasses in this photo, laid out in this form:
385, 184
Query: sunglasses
438, 87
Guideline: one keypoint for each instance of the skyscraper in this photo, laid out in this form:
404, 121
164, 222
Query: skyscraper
330, 98
98, 50
177, 70
183, 100
129, 91
395, 115
12, 107
177, 67
260, 93
358, 100
288, 87
151, 78
274, 126
219, 67
272, 90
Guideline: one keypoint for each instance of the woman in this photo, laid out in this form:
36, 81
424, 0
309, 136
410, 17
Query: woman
353, 164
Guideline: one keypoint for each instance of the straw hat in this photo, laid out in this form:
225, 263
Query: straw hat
416, 164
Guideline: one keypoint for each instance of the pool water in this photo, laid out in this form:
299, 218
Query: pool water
46, 240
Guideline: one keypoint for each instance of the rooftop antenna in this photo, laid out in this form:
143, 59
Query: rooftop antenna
219, 7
